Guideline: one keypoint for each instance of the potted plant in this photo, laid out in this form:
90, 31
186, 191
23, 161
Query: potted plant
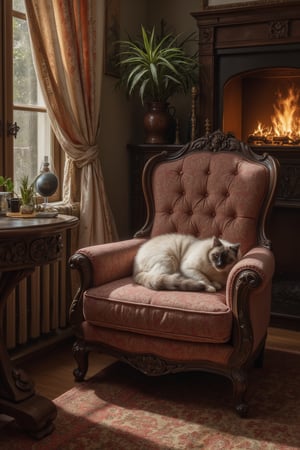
7, 183
156, 67
9, 200
27, 195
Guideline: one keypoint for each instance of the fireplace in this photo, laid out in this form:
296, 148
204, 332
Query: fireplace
249, 78
267, 105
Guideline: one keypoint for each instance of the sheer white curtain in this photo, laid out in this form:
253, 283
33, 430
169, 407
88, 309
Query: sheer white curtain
67, 40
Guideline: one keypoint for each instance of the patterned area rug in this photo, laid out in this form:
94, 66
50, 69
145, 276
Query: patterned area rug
121, 409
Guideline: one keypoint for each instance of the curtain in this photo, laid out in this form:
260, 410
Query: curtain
67, 42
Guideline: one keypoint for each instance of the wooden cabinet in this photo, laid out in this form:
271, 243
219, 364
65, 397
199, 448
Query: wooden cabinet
139, 154
284, 234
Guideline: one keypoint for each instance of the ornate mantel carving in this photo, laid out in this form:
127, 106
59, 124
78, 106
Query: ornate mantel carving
288, 190
278, 29
289, 186
205, 35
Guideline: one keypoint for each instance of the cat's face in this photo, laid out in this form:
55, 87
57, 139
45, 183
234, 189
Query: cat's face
223, 256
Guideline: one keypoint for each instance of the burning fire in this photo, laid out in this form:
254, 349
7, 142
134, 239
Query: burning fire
285, 128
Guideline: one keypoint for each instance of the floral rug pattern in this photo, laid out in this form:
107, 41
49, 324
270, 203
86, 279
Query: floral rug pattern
121, 409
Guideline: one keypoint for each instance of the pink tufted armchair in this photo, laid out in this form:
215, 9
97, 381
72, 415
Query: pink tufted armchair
213, 186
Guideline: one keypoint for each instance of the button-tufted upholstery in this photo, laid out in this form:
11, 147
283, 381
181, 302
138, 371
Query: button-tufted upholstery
217, 194
213, 186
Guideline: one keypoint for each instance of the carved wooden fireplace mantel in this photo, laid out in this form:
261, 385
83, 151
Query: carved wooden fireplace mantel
241, 39
239, 47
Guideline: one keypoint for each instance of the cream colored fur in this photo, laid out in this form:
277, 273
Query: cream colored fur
184, 262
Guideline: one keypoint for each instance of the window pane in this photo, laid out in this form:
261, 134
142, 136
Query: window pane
35, 138
26, 90
31, 145
18, 5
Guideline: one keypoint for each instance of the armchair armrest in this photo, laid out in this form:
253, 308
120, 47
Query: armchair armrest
107, 262
257, 265
99, 264
249, 294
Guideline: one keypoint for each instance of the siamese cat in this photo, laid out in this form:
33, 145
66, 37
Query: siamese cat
183, 262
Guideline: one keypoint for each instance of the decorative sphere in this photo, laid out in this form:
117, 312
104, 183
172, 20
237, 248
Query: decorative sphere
46, 184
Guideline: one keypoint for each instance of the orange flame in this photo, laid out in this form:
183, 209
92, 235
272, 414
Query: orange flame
286, 119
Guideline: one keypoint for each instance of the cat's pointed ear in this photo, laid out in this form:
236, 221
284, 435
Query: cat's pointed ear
235, 248
216, 242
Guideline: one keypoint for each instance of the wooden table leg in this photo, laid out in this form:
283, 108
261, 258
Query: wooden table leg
32, 412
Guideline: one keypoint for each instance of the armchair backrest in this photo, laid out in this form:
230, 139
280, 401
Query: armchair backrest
215, 185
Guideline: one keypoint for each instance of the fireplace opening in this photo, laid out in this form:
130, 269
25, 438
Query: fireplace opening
262, 107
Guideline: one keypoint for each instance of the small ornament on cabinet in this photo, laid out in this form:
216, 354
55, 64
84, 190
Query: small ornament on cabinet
177, 133
195, 93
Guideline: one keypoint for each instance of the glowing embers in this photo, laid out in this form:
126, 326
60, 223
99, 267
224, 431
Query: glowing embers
285, 128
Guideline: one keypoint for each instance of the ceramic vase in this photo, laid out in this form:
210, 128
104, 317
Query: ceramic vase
159, 124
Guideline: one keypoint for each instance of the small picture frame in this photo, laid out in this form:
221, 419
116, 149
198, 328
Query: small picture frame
112, 36
214, 4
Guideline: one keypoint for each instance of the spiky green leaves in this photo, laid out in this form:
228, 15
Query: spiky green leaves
156, 67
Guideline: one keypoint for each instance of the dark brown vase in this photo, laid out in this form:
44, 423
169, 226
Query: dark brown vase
159, 124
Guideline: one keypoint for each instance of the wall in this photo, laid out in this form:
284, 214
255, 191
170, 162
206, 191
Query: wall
119, 127
122, 118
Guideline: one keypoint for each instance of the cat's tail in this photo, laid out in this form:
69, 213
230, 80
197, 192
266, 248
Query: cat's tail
174, 281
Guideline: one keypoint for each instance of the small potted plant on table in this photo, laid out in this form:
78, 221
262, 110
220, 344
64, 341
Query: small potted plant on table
7, 184
27, 196
8, 199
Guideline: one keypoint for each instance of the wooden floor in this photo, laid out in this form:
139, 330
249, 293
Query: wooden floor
52, 370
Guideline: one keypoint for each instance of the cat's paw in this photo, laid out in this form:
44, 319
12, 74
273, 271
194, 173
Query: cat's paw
217, 285
210, 288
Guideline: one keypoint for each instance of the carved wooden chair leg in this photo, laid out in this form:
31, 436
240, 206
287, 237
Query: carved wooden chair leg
81, 355
240, 384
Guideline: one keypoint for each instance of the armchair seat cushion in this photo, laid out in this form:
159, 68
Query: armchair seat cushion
188, 316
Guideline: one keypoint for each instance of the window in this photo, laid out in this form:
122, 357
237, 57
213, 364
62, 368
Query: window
29, 136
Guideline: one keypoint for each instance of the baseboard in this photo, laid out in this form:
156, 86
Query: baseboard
285, 321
